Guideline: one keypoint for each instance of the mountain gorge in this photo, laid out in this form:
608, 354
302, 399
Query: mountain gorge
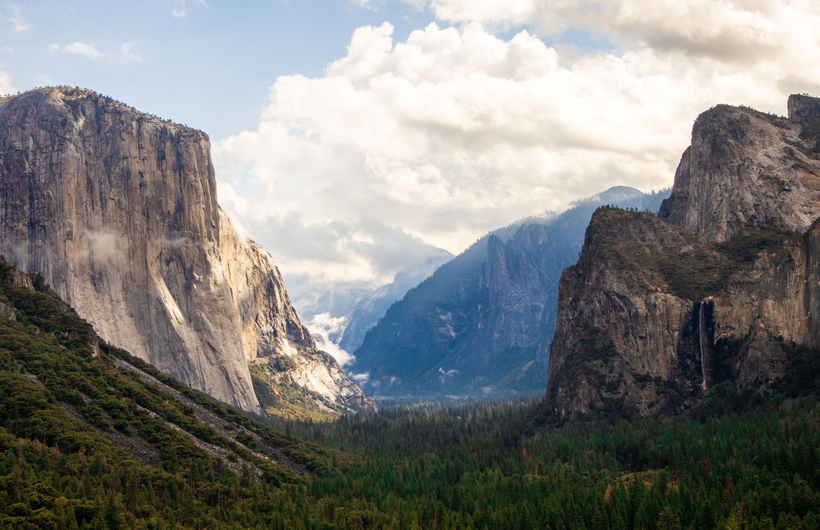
720, 288
341, 315
118, 212
482, 324
368, 311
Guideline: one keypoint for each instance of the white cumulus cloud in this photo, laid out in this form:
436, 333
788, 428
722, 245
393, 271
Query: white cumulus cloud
127, 52
18, 23
181, 8
5, 83
746, 30
455, 131
320, 254
322, 326
77, 48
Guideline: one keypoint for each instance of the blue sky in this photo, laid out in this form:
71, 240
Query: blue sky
352, 137
210, 69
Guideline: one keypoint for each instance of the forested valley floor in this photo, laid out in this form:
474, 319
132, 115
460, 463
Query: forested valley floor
466, 466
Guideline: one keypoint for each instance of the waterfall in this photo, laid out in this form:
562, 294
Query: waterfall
702, 340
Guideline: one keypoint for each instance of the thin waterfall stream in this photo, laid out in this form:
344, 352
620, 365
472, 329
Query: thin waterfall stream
703, 340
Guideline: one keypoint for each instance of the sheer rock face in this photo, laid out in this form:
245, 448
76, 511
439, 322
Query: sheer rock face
633, 334
747, 168
618, 333
118, 211
516, 285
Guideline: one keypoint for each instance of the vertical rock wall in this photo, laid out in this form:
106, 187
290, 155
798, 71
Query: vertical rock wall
118, 211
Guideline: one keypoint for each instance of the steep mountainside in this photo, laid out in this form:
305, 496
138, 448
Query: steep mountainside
369, 310
748, 168
108, 431
721, 287
118, 211
481, 324
340, 316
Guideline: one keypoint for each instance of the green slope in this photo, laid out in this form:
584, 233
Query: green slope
91, 436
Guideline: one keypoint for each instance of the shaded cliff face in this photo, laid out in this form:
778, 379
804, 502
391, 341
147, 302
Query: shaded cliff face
658, 310
118, 211
653, 315
481, 325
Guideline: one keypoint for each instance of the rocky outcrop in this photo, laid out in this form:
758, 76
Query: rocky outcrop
617, 331
748, 168
118, 211
803, 109
657, 310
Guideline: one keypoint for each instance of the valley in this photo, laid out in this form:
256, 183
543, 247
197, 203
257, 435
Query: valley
155, 374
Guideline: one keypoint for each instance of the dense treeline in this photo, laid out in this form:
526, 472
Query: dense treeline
68, 414
469, 467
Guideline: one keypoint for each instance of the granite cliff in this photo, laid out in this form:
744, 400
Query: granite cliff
720, 287
118, 212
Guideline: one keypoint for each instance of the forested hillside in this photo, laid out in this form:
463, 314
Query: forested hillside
473, 467
91, 437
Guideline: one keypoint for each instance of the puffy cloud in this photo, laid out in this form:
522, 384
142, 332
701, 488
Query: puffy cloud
456, 131
312, 254
181, 8
5, 83
324, 328
18, 23
367, 4
489, 11
734, 30
105, 247
77, 48
127, 52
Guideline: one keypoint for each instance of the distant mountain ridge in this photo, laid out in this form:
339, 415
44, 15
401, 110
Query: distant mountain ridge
368, 311
482, 323
340, 317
